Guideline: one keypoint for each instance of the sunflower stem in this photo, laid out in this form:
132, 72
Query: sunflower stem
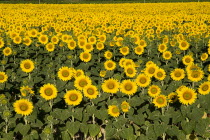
164, 136
51, 104
162, 110
6, 127
25, 119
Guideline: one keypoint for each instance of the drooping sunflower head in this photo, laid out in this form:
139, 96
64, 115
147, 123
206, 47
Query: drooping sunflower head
124, 50
177, 74
172, 97
90, 91
27, 65
187, 96
204, 88
73, 97
160, 101
110, 86
139, 50
65, 74
160, 74
110, 65
125, 106
48, 91
50, 47
7, 51
128, 87
142, 80
108, 55
187, 59
26, 90
130, 71
184, 45
3, 77
85, 56
167, 55
113, 110
154, 91
23, 107
82, 81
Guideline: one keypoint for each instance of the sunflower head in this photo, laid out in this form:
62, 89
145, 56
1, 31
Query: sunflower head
128, 87
167, 55
65, 74
187, 59
26, 90
27, 65
85, 56
108, 55
154, 91
172, 97
204, 56
177, 74
48, 91
3, 77
160, 101
50, 47
110, 65
184, 45
204, 88
124, 50
130, 71
73, 97
113, 110
125, 106
110, 86
23, 107
82, 81
187, 96
160, 74
142, 80
139, 50
90, 91
7, 51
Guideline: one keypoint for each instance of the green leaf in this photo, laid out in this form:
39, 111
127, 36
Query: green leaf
94, 129
37, 123
65, 135
101, 114
120, 122
73, 127
127, 133
137, 119
34, 134
24, 129
159, 128
188, 126
65, 114
200, 127
78, 113
181, 135
8, 136
84, 128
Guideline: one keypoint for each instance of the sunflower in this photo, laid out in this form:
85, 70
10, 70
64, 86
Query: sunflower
7, 51
204, 88
154, 91
167, 55
110, 86
160, 101
187, 59
90, 91
187, 96
172, 97
195, 75
88, 47
48, 91
92, 40
192, 67
124, 50
3, 77
65, 74
110, 65
179, 89
184, 45
33, 33
172, 43
130, 71
162, 48
50, 47
142, 80
73, 97
113, 110
160, 74
150, 70
23, 107
108, 55
102, 73
125, 106
128, 62
128, 87
121, 62
82, 81
27, 65
25, 90
17, 39
78, 73
55, 40
27, 41
100, 46
43, 39
142, 43
177, 74
102, 38
139, 50
85, 56
204, 56
1, 43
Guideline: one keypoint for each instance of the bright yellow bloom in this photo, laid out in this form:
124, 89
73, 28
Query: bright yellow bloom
90, 91
82, 81
110, 86
73, 97
154, 91
125, 106
3, 77
27, 65
113, 110
128, 87
160, 101
23, 107
65, 74
187, 96
48, 91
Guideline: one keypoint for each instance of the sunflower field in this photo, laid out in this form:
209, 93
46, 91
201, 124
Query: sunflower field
105, 71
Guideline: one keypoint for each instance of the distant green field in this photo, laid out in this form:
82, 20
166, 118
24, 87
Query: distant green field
96, 1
